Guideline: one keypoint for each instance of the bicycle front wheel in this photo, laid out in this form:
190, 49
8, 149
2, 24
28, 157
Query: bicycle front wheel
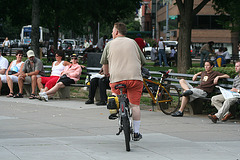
169, 99
126, 129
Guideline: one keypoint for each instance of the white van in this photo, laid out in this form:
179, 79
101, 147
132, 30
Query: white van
71, 41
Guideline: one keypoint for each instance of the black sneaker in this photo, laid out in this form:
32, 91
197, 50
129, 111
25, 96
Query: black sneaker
89, 102
137, 136
113, 116
187, 93
101, 103
177, 114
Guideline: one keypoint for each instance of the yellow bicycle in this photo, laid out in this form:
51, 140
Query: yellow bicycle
166, 95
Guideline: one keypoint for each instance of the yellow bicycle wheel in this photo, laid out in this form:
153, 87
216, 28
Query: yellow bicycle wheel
169, 99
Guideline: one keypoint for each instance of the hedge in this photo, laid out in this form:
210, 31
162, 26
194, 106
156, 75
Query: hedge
226, 70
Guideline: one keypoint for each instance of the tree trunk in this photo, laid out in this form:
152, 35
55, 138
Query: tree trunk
56, 30
35, 27
184, 39
94, 28
185, 32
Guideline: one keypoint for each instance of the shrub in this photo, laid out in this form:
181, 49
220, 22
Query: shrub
226, 70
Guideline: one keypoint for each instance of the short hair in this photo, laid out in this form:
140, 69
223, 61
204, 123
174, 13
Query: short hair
19, 52
59, 53
211, 43
121, 27
210, 62
237, 61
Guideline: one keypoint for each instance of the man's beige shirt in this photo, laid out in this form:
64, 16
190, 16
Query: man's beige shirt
124, 58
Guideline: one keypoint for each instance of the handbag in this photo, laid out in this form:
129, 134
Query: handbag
11, 72
64, 76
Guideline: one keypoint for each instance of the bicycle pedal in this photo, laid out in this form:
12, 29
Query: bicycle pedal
120, 130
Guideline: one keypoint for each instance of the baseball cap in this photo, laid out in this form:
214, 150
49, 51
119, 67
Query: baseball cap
30, 53
161, 37
74, 55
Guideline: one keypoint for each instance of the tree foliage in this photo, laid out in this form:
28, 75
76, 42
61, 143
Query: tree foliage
228, 7
73, 17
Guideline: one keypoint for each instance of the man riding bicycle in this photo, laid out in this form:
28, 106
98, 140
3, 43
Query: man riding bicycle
122, 60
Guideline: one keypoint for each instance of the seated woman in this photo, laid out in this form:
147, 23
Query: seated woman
13, 72
70, 75
57, 68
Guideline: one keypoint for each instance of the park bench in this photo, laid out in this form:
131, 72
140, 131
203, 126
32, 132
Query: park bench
197, 106
65, 92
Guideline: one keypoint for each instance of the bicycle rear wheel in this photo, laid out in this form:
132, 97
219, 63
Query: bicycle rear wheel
126, 129
169, 99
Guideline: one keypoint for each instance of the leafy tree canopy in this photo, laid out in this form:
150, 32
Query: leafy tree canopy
228, 7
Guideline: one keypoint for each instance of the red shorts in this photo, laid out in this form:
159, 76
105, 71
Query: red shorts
133, 90
49, 81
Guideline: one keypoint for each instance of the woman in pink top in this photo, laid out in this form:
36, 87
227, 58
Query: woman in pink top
57, 68
70, 75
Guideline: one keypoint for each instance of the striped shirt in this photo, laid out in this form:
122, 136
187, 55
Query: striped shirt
236, 82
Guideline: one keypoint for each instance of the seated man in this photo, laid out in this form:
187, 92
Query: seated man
3, 68
103, 84
32, 69
223, 104
209, 79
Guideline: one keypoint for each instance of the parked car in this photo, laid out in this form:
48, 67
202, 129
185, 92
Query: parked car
14, 43
168, 44
147, 51
73, 42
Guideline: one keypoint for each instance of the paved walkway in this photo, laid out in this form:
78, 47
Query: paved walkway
71, 130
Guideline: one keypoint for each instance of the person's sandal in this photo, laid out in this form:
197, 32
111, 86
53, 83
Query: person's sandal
10, 94
19, 95
33, 96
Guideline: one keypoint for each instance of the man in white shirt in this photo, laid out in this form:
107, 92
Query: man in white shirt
161, 53
6, 45
3, 64
3, 68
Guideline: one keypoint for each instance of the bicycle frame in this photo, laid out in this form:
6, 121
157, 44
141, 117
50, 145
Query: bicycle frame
124, 118
155, 99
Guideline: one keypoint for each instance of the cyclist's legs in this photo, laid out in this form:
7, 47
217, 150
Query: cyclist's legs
134, 91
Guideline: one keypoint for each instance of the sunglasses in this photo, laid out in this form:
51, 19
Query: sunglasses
74, 58
20, 55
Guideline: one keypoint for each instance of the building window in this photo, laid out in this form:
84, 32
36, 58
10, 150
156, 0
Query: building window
207, 22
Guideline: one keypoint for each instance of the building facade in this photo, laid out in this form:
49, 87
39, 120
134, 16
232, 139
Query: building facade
205, 26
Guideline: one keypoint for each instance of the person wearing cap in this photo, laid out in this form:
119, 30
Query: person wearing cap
70, 75
161, 53
32, 69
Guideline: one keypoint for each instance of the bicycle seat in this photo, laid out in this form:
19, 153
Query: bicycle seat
120, 86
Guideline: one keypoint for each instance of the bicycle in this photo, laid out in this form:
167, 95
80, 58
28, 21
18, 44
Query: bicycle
124, 115
166, 95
